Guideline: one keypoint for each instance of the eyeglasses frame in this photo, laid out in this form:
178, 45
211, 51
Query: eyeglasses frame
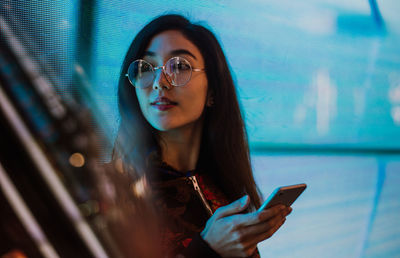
164, 72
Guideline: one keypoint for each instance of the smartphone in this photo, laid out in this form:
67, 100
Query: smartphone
285, 195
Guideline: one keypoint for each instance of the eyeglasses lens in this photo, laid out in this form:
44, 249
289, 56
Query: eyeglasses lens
140, 73
178, 70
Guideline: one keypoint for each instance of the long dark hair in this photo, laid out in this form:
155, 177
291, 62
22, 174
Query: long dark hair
224, 151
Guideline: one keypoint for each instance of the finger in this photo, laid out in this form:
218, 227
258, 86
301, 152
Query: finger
262, 227
270, 232
272, 212
258, 217
233, 208
255, 239
249, 250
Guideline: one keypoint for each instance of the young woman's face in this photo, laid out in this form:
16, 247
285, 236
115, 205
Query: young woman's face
167, 107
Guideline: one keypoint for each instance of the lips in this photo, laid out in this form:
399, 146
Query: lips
163, 103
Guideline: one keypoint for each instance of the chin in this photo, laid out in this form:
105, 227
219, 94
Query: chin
163, 127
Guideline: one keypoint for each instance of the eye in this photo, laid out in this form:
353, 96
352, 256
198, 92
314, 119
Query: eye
184, 66
181, 66
145, 66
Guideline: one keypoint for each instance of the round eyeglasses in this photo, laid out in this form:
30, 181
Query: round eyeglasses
177, 70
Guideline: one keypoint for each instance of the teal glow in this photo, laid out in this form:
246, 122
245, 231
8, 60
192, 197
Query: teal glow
320, 73
314, 77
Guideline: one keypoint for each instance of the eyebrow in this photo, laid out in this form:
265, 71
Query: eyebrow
173, 52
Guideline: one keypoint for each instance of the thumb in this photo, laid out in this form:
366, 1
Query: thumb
233, 208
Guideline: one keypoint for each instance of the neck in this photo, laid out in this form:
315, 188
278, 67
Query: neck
180, 147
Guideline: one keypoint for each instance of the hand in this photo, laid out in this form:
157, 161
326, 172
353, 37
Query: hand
232, 234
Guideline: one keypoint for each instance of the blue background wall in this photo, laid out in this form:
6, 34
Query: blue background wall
315, 72
319, 83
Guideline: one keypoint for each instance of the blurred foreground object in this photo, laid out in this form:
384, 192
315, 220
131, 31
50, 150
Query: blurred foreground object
14, 254
57, 198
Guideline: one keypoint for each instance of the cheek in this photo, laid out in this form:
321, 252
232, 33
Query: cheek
203, 91
142, 99
196, 100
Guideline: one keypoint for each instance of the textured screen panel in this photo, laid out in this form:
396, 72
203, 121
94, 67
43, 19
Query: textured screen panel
349, 209
310, 72
47, 31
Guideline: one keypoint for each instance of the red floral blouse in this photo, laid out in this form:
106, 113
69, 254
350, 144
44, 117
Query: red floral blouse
184, 212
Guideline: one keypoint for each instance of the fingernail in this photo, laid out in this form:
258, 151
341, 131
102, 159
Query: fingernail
244, 200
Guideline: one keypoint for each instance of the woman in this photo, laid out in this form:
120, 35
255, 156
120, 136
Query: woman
180, 123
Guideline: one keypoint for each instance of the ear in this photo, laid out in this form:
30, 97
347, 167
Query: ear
210, 99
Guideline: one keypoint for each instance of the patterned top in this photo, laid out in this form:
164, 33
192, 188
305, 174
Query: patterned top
185, 212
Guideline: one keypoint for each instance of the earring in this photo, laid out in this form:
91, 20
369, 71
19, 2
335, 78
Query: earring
210, 101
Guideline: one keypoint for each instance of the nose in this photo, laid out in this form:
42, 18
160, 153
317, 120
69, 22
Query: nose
161, 82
